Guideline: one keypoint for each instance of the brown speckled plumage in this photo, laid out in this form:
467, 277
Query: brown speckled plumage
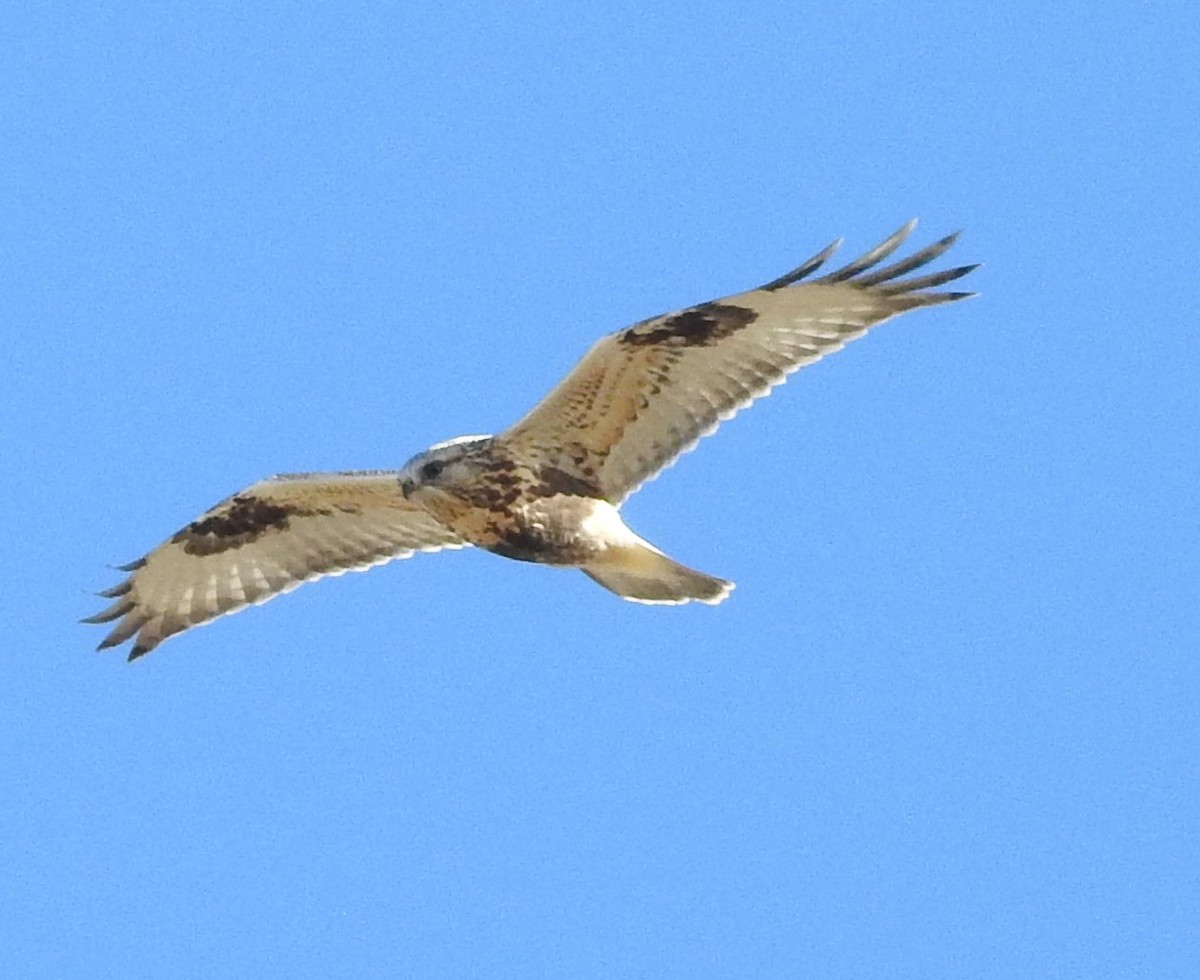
547, 489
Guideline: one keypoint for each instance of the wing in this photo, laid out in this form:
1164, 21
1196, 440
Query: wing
642, 396
262, 542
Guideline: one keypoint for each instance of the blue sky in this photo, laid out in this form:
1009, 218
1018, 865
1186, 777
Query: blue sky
946, 725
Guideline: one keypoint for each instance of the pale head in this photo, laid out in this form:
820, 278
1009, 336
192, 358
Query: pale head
446, 463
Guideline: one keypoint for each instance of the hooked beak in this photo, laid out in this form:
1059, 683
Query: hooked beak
407, 487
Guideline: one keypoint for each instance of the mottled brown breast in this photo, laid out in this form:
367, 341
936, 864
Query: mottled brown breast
549, 530
526, 509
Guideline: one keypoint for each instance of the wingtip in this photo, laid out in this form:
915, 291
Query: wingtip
895, 239
805, 269
116, 591
115, 611
949, 275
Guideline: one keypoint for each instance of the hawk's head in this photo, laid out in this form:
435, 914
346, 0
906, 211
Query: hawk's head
446, 464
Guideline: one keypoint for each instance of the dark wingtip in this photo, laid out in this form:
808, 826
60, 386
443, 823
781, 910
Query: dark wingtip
116, 591
872, 258
115, 611
805, 269
138, 651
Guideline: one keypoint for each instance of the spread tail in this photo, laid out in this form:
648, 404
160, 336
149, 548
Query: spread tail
642, 573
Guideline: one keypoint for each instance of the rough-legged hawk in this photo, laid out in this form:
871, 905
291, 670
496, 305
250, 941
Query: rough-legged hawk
548, 489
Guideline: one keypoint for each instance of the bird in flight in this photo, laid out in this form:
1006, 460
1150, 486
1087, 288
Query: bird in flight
550, 488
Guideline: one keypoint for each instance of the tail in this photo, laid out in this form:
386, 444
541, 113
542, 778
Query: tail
641, 573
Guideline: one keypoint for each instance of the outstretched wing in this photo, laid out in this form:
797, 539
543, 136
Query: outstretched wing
262, 542
642, 396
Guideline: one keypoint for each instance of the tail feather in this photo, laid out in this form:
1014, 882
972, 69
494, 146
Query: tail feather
642, 573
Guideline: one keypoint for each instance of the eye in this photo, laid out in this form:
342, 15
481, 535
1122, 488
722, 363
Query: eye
432, 469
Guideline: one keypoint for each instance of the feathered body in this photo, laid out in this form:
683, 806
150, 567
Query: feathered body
549, 488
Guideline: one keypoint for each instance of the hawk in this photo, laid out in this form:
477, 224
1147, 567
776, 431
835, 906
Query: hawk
550, 488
